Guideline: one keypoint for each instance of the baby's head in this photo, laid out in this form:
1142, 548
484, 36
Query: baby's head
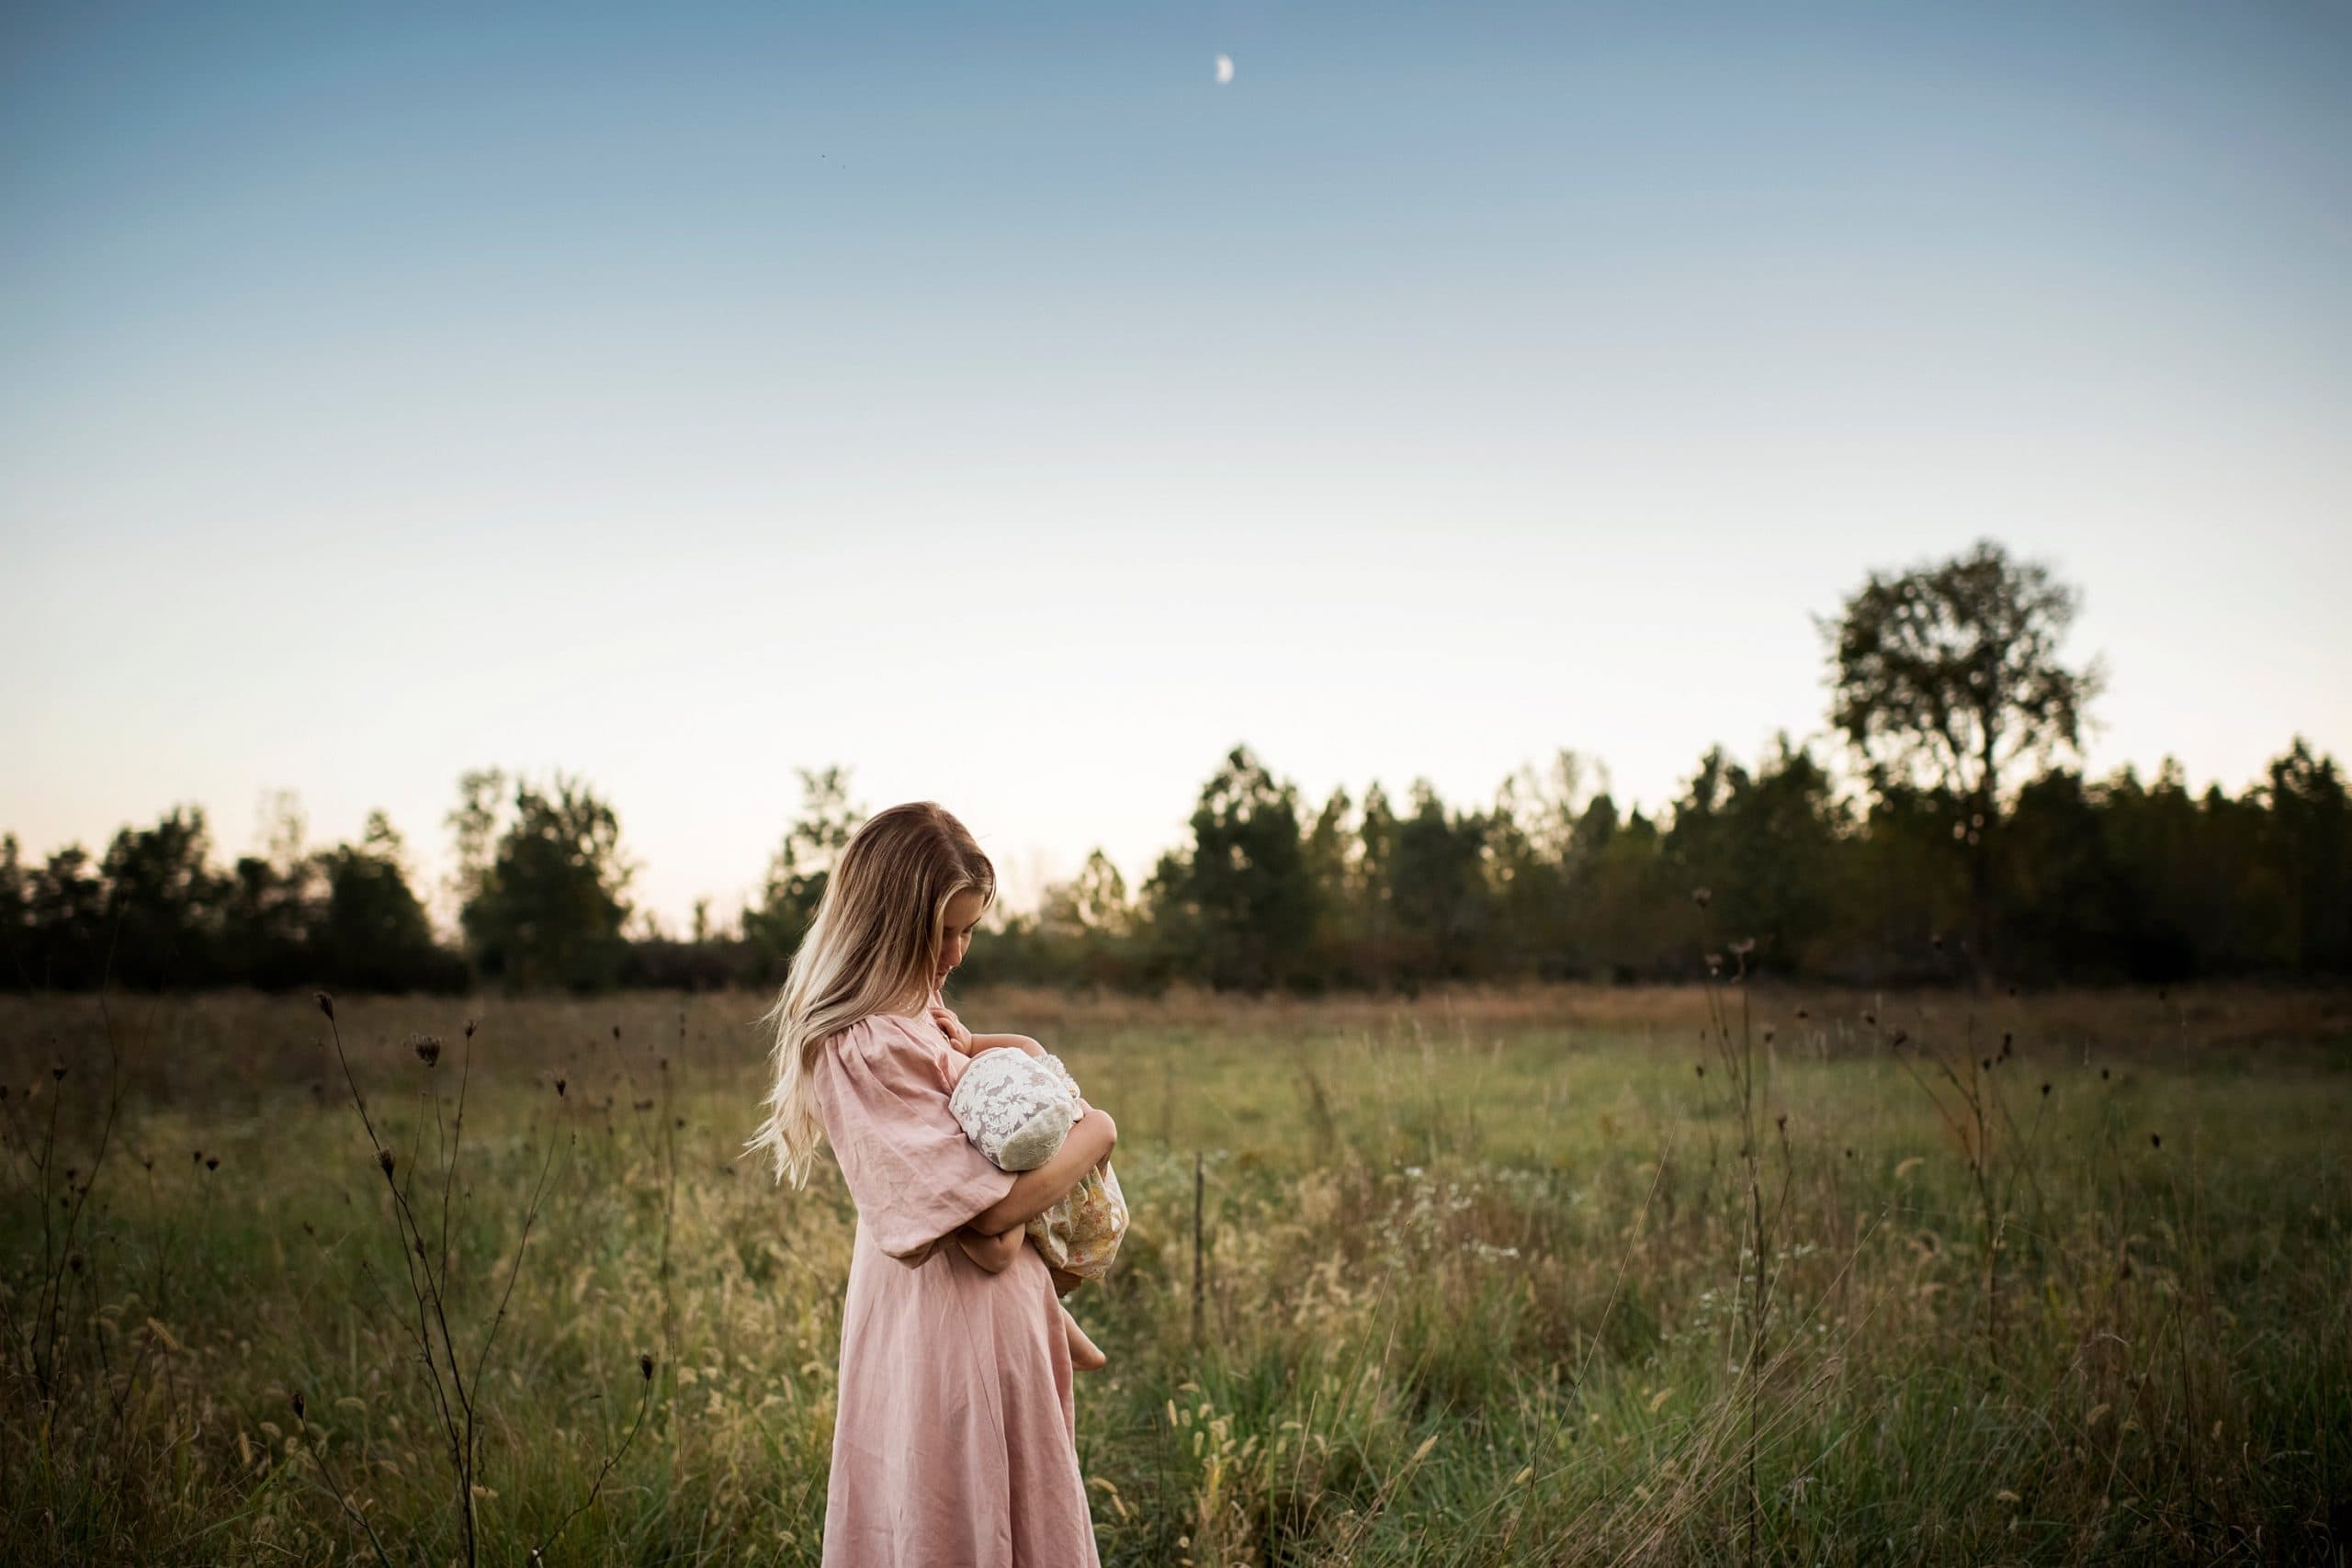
896, 915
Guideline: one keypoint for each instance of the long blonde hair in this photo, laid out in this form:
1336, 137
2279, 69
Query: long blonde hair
869, 948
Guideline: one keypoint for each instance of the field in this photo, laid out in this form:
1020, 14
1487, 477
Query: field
1549, 1275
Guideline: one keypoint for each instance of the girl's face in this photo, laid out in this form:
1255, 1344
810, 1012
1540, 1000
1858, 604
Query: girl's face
962, 918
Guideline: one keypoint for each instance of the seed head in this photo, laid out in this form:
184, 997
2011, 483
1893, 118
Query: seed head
559, 1081
211, 1162
57, 1072
427, 1048
1702, 897
470, 1028
296, 1403
326, 1002
384, 1158
2045, 1089
74, 1261
2156, 1140
644, 1362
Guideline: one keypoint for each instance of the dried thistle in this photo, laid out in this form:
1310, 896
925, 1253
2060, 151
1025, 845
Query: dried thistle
427, 1048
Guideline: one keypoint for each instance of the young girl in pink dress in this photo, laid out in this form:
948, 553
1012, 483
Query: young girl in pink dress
956, 1432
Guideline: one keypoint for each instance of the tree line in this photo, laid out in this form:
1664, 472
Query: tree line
1960, 844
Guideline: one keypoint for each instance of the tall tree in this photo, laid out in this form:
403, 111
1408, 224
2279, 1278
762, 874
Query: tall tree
1242, 902
548, 908
1945, 677
373, 934
162, 901
801, 864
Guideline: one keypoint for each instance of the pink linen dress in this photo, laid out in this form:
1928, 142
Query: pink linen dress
955, 1439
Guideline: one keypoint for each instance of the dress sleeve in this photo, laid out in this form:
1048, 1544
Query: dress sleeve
882, 1096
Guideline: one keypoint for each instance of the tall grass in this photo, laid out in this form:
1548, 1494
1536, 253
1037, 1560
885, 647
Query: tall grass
1483, 1277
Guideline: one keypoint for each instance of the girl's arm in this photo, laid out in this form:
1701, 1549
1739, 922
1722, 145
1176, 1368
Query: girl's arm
1092, 1138
993, 1252
1020, 1043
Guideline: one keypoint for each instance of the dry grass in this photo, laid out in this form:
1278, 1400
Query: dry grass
1482, 1282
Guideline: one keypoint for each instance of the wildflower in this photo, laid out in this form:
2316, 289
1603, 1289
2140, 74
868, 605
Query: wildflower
427, 1048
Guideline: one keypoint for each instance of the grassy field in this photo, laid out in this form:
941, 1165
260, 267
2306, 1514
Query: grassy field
1556, 1275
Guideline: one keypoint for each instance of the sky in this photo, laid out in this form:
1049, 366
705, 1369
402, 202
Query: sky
990, 399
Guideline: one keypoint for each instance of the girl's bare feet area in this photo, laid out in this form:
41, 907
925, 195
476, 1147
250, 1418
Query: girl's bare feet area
1084, 1354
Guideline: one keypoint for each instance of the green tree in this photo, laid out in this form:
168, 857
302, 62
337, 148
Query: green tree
162, 902
373, 934
2311, 848
1240, 908
1947, 676
1438, 888
548, 907
1766, 845
773, 925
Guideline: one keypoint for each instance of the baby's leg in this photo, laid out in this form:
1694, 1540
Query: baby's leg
1084, 1354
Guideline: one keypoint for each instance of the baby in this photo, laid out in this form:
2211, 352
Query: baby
1016, 1102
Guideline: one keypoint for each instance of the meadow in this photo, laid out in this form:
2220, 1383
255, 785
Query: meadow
1544, 1274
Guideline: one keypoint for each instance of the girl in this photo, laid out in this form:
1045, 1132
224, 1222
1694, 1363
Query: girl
956, 1433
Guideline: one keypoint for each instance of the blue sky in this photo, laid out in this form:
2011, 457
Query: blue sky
985, 398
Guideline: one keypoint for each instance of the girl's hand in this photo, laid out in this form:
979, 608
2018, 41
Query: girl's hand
952, 1027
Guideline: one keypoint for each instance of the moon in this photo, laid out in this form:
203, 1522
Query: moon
1224, 69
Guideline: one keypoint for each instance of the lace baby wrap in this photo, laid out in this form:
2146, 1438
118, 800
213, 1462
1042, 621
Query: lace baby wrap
1017, 1109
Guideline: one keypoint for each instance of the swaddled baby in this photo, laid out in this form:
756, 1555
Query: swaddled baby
1016, 1102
